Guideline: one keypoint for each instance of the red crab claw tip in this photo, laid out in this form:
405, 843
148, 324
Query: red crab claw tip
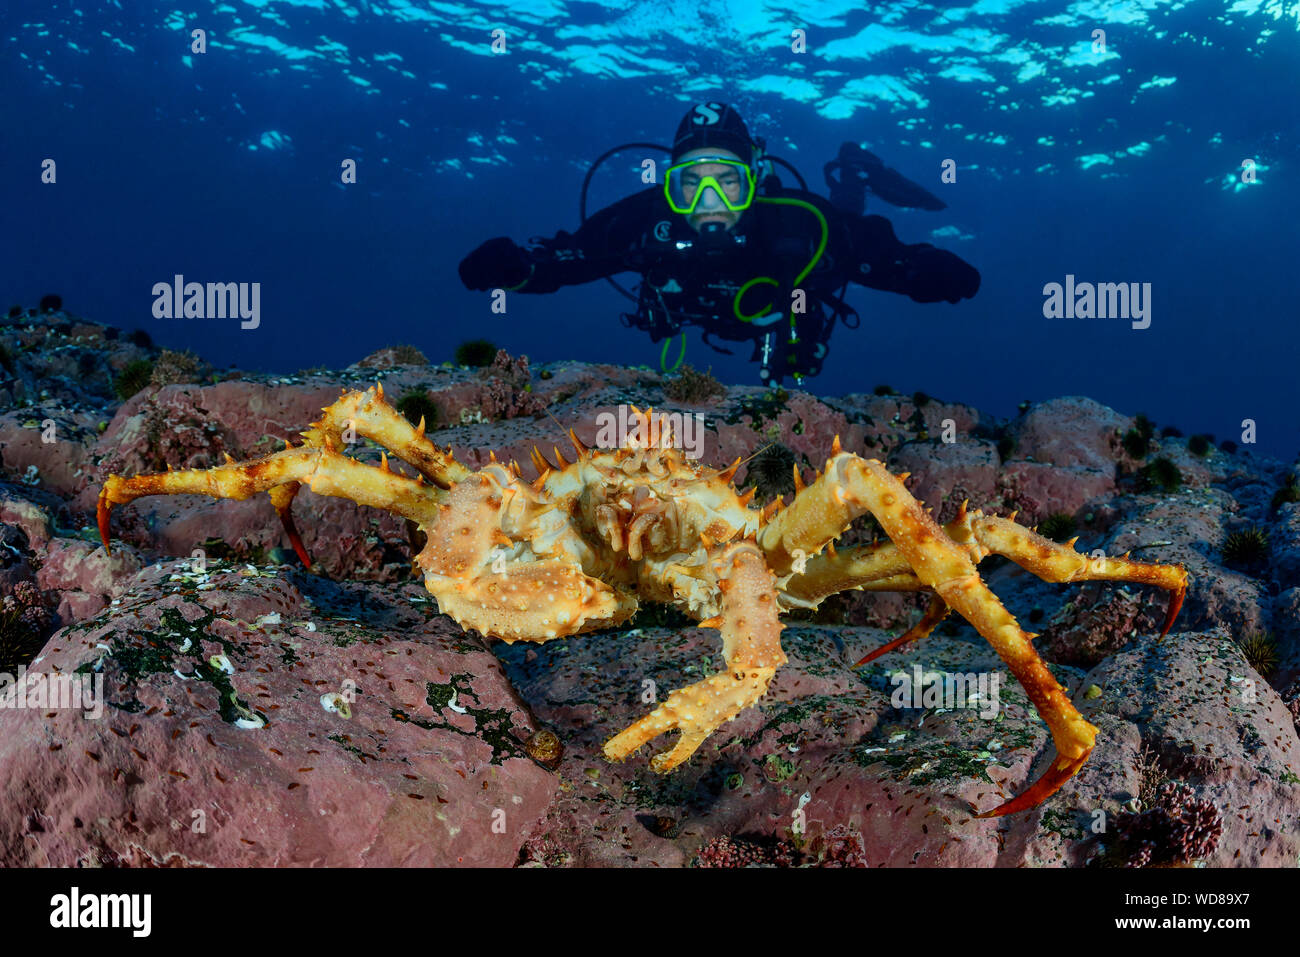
286, 519
1175, 604
887, 648
916, 631
101, 515
1042, 789
871, 657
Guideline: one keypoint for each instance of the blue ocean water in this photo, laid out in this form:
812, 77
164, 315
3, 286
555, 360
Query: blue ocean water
1120, 163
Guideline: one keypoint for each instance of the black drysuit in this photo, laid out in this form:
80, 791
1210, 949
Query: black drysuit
688, 280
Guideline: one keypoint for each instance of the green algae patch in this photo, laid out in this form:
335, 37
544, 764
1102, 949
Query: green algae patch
493, 726
177, 647
927, 762
1064, 823
794, 713
760, 409
938, 761
777, 768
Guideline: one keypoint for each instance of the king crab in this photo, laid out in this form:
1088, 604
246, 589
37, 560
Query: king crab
577, 549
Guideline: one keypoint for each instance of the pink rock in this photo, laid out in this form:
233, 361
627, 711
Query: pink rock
19, 510
429, 768
904, 784
75, 565
1197, 721
1284, 539
894, 419
1039, 489
391, 356
1194, 471
1286, 624
1100, 620
425, 769
57, 465
1071, 431
1169, 531
956, 471
346, 540
77, 606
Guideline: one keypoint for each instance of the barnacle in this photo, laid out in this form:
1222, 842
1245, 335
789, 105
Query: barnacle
544, 747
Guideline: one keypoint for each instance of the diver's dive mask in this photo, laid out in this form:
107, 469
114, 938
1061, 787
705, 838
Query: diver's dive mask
730, 180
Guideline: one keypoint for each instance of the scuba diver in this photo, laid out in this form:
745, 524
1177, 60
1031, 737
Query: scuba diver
722, 244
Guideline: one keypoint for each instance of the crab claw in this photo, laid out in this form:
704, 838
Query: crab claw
888, 647
286, 519
1175, 603
696, 711
1062, 770
102, 510
937, 611
282, 498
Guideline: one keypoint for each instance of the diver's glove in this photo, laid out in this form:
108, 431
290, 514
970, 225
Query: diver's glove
935, 274
497, 264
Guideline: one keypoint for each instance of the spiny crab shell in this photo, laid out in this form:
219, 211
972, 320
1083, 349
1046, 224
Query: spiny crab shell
640, 519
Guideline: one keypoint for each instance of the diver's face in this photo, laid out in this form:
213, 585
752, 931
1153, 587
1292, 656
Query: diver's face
711, 208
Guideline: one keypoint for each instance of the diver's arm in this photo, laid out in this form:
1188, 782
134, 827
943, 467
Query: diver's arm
922, 271
598, 249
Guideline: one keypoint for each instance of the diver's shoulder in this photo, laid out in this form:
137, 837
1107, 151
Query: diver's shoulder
652, 197
636, 207
798, 195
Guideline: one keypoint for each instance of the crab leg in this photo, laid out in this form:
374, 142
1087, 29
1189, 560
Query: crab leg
862, 568
851, 486
876, 567
935, 613
323, 471
282, 498
371, 417
368, 415
1056, 562
832, 571
751, 647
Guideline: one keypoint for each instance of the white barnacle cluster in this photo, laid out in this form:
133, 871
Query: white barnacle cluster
335, 703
